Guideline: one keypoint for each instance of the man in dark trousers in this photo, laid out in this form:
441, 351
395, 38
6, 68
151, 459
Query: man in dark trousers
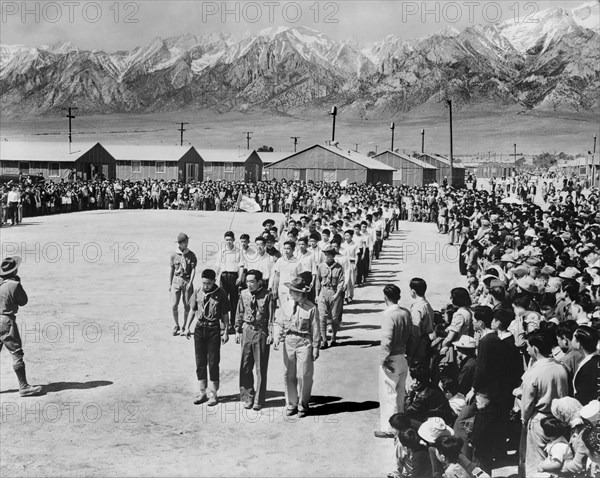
209, 318
490, 391
254, 330
13, 296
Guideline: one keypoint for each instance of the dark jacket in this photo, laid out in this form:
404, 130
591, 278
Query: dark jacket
491, 371
587, 381
466, 375
426, 401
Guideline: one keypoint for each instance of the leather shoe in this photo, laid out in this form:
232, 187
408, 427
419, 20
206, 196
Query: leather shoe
200, 399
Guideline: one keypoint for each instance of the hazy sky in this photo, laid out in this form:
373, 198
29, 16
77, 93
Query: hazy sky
117, 25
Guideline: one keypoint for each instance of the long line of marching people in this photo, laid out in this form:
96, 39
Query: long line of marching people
285, 287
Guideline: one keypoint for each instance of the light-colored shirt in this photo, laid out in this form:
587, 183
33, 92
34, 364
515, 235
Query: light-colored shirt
422, 315
229, 260
295, 319
396, 330
284, 270
543, 382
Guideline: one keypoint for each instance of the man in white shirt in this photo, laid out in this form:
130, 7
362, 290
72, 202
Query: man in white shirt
350, 250
260, 260
284, 270
14, 199
230, 271
307, 264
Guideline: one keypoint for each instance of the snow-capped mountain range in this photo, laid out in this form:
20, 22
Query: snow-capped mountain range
553, 63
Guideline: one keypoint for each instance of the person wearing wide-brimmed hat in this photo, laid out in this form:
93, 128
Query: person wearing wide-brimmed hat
13, 296
298, 324
181, 279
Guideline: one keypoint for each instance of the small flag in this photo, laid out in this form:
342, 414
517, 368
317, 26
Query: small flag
248, 204
344, 183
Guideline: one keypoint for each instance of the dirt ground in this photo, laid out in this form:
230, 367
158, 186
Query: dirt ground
119, 387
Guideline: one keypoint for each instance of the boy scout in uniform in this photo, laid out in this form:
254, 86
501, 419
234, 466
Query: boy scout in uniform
330, 294
209, 318
254, 330
298, 324
181, 279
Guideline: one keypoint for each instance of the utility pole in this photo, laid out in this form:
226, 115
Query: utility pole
451, 147
393, 128
422, 141
181, 130
356, 149
334, 114
295, 138
593, 163
70, 116
515, 154
248, 133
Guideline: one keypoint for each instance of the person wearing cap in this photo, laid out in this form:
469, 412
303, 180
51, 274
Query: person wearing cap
396, 333
267, 225
13, 296
183, 264
270, 241
297, 323
330, 294
209, 319
230, 272
254, 330
466, 348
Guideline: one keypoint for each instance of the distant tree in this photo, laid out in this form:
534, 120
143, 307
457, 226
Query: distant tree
520, 163
547, 160
265, 149
370, 154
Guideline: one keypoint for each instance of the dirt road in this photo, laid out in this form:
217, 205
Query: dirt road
97, 334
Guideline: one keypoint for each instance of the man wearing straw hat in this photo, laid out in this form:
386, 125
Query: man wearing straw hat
13, 296
298, 322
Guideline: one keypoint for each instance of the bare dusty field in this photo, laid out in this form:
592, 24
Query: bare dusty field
474, 132
119, 387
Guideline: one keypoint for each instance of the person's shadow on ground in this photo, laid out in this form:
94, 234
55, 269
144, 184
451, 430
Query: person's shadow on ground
60, 386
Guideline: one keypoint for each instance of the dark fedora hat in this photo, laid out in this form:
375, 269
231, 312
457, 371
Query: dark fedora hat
9, 265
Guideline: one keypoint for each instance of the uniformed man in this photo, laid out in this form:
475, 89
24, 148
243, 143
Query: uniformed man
181, 279
254, 330
298, 327
13, 296
209, 319
330, 294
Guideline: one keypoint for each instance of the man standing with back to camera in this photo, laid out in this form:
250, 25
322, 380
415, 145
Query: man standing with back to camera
13, 296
